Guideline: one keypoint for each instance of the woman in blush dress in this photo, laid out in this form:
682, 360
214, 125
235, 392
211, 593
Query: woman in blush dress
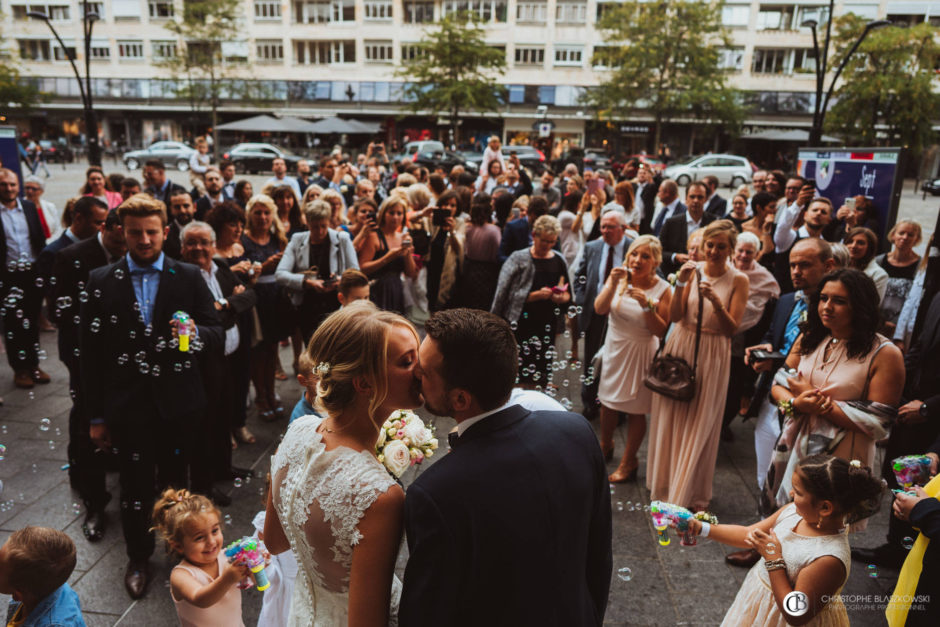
480, 273
637, 302
681, 465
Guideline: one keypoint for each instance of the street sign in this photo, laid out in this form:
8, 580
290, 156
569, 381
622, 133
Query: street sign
9, 152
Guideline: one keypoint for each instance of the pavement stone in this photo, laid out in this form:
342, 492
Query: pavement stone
671, 585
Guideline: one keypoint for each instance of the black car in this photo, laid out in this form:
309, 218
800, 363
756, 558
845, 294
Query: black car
256, 157
172, 154
596, 159
531, 158
56, 151
447, 159
932, 187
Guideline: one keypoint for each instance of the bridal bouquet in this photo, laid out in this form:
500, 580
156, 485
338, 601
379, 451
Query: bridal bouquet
404, 440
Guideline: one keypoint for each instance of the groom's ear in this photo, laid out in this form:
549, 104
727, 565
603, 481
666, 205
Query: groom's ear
460, 399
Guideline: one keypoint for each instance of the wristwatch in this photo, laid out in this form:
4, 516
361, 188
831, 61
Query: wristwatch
923, 409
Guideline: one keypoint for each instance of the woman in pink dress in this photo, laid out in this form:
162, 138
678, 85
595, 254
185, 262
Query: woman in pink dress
684, 435
96, 185
638, 303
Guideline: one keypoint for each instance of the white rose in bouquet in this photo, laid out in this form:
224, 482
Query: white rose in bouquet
397, 457
417, 433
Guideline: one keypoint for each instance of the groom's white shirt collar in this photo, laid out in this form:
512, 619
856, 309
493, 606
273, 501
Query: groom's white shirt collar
469, 422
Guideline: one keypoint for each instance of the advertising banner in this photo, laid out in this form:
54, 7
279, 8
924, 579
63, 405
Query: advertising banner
9, 152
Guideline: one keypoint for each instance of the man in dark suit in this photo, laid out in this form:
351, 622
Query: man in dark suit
644, 193
142, 392
517, 234
215, 193
810, 260
222, 366
88, 216
677, 229
917, 425
158, 185
508, 519
182, 212
716, 205
668, 195
21, 241
599, 258
87, 465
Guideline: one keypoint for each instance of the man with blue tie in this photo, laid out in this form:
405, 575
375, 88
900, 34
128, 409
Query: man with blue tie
810, 260
143, 391
668, 195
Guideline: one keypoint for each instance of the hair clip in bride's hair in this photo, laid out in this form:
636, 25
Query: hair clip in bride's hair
856, 463
323, 369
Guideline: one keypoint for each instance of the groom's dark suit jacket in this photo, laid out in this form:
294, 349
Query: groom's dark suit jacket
512, 527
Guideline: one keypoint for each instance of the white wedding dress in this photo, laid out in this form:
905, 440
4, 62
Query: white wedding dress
320, 496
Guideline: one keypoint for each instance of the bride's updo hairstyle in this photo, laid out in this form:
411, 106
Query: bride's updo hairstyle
351, 343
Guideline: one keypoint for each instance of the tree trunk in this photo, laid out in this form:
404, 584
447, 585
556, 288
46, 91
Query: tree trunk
453, 127
657, 133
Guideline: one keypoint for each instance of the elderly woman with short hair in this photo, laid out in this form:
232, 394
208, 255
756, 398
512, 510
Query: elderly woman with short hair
312, 264
533, 284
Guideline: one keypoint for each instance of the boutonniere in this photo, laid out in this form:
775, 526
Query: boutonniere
172, 271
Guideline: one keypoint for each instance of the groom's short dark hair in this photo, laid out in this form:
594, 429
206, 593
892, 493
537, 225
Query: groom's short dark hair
479, 353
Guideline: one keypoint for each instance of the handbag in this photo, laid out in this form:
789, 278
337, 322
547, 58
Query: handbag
670, 375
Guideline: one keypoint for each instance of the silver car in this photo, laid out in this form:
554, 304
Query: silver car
172, 154
730, 169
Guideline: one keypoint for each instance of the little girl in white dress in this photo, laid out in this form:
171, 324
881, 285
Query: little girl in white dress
804, 544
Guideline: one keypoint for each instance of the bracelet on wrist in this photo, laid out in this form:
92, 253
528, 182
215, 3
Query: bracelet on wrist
680, 283
786, 407
706, 529
777, 564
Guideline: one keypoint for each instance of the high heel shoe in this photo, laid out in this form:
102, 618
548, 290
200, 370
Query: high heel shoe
622, 476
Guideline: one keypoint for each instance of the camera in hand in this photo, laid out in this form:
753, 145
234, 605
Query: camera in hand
762, 355
439, 217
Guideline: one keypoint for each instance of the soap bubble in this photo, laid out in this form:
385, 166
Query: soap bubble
872, 571
228, 520
118, 273
907, 543
237, 483
44, 424
3, 451
51, 445
624, 574
76, 509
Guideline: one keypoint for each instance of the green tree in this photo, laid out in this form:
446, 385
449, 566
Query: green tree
664, 58
15, 91
205, 76
885, 96
453, 70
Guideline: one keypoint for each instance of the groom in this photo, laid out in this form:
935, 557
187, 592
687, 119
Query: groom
512, 527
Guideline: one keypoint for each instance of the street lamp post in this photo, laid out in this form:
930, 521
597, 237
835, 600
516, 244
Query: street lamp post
822, 105
84, 88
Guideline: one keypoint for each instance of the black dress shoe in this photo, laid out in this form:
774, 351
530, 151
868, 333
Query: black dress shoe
885, 555
744, 558
136, 577
96, 521
219, 498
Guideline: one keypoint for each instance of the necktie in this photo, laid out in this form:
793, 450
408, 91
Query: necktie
792, 329
610, 262
659, 221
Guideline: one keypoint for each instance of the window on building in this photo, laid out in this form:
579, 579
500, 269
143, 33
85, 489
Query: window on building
731, 59
378, 51
324, 52
868, 11
64, 54
569, 55
100, 50
410, 52
269, 50
769, 61
736, 15
160, 9
603, 8
485, 10
530, 55
130, 49
34, 49
820, 14
601, 57
775, 18
570, 13
804, 61
95, 7
163, 49
320, 11
235, 51
378, 10
56, 12
267, 10
532, 12
418, 11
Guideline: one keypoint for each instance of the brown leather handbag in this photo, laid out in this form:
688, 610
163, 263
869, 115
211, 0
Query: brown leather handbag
670, 375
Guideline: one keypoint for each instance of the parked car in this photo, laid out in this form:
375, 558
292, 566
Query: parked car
657, 166
932, 187
257, 157
413, 148
56, 151
172, 154
596, 159
731, 170
530, 157
446, 159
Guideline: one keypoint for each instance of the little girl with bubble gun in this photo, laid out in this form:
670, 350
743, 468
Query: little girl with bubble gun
204, 585
804, 544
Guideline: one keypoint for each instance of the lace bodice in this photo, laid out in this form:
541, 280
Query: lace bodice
320, 496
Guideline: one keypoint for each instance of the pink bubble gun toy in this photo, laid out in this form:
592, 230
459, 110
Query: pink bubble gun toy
911, 470
247, 551
182, 329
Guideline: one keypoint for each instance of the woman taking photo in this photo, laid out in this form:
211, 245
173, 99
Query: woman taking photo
533, 283
901, 267
387, 254
264, 243
445, 254
839, 357
481, 259
863, 245
362, 217
637, 302
96, 185
681, 466
227, 219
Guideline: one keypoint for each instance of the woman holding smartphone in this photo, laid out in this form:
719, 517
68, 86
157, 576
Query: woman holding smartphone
387, 253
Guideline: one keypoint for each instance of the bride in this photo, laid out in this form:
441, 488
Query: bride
331, 502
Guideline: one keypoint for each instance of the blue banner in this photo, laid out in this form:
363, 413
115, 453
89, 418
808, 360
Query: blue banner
9, 152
